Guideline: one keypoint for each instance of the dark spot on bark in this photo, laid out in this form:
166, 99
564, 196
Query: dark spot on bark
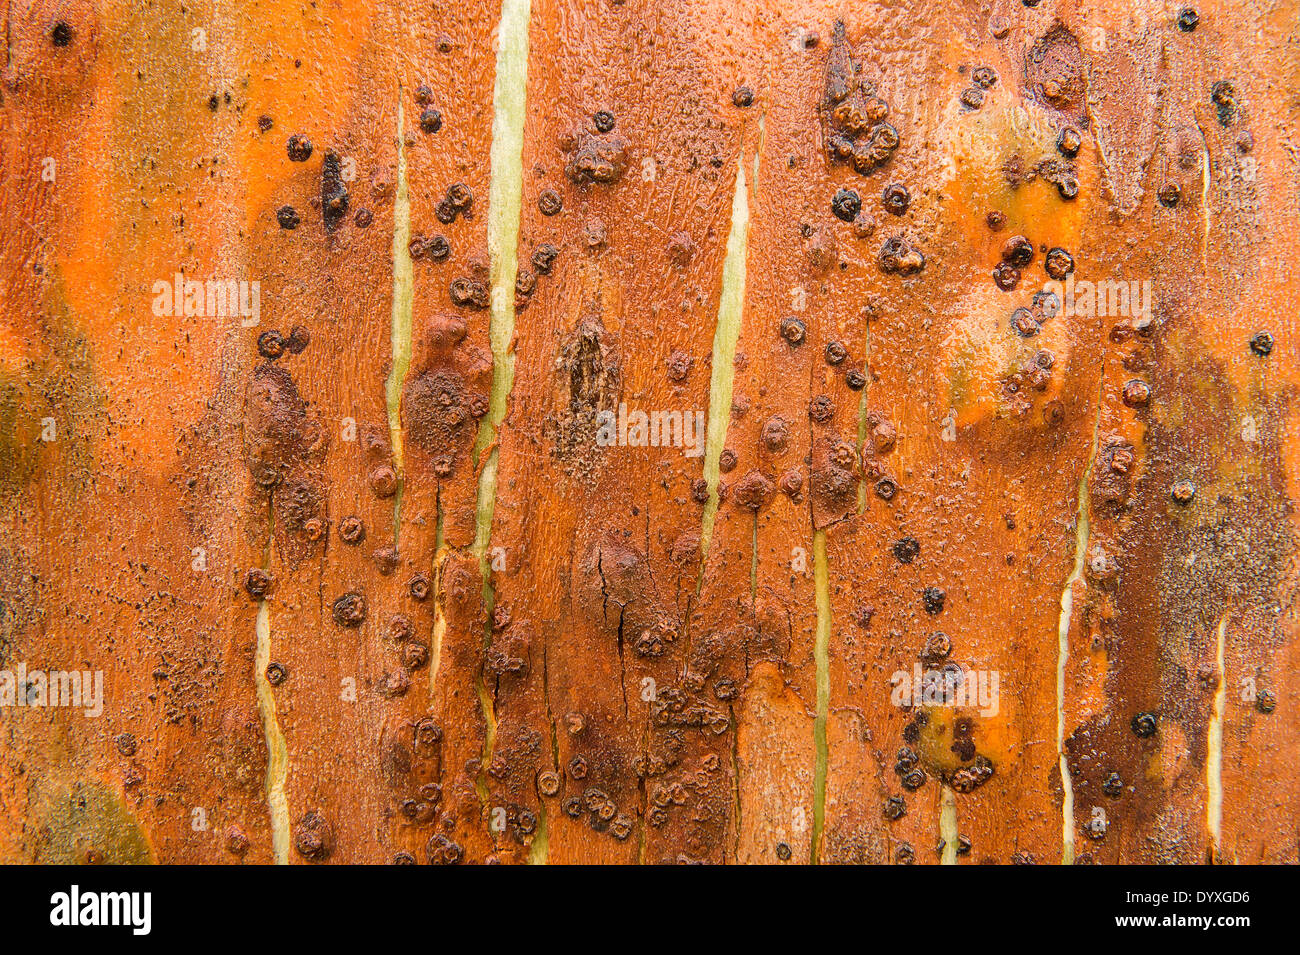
349, 610
333, 192
299, 148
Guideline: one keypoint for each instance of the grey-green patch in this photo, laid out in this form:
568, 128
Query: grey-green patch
18, 601
20, 431
48, 418
86, 821
52, 413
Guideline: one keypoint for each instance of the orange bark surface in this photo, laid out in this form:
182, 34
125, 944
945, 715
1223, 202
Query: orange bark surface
424, 559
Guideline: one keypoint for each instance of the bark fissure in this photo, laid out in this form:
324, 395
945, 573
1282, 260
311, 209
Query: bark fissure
504, 203
821, 653
400, 320
1214, 750
731, 309
1081, 533
277, 752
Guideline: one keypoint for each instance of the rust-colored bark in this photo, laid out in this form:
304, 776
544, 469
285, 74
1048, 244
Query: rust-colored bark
386, 575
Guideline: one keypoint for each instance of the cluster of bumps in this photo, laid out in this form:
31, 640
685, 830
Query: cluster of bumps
856, 130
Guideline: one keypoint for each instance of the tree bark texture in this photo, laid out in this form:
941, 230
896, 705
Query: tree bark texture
640, 401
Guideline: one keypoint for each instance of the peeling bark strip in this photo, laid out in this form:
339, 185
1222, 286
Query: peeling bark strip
987, 552
401, 324
277, 761
730, 310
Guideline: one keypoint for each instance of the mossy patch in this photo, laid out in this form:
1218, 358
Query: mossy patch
82, 823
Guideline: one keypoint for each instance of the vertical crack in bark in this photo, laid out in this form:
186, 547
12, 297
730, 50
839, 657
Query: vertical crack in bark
1214, 734
277, 752
821, 653
643, 797
1214, 753
731, 310
948, 825
1205, 202
537, 851
439, 610
731, 307
1081, 532
505, 196
277, 765
735, 774
753, 567
862, 418
403, 295
622, 662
